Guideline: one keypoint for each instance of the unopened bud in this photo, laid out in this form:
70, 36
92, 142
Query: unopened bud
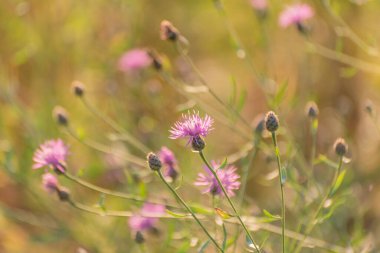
271, 122
312, 110
156, 61
340, 147
139, 238
78, 88
63, 194
60, 115
168, 31
154, 162
259, 124
197, 143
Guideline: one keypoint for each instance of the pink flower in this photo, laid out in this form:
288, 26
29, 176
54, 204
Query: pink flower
295, 14
228, 177
144, 220
50, 182
52, 153
192, 126
259, 5
169, 161
133, 60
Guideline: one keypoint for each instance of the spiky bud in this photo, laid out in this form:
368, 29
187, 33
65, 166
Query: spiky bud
197, 143
60, 115
63, 194
78, 88
154, 161
139, 238
312, 110
271, 122
168, 31
340, 147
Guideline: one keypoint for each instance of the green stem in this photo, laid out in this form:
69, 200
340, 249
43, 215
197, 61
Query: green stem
229, 199
277, 152
189, 210
312, 224
110, 192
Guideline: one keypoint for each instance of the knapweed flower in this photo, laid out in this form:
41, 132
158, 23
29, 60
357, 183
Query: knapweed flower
228, 177
340, 147
140, 222
259, 5
168, 31
134, 59
192, 126
49, 182
169, 161
271, 122
52, 153
295, 15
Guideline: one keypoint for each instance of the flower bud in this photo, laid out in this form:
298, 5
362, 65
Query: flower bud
340, 147
259, 124
139, 238
60, 115
168, 31
197, 143
312, 110
78, 88
154, 162
63, 194
156, 61
271, 122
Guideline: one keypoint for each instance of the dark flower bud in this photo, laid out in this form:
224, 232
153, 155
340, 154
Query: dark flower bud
271, 122
312, 110
197, 143
259, 124
369, 107
154, 162
340, 147
139, 238
78, 88
60, 115
168, 31
63, 194
156, 61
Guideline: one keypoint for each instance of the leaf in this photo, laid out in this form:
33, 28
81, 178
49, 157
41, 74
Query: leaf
283, 175
223, 214
202, 248
325, 160
241, 101
197, 208
224, 164
280, 94
338, 182
177, 215
224, 237
142, 190
179, 183
272, 216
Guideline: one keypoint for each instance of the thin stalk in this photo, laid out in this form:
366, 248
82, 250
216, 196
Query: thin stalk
277, 152
189, 210
312, 224
229, 199
127, 136
110, 192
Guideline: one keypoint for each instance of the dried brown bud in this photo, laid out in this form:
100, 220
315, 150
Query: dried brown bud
340, 147
60, 115
271, 122
168, 31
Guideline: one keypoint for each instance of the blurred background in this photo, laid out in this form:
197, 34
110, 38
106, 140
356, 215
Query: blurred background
244, 56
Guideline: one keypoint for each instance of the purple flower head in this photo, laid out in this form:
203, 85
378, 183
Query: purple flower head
141, 222
227, 176
191, 125
259, 5
52, 153
134, 59
50, 182
169, 161
295, 15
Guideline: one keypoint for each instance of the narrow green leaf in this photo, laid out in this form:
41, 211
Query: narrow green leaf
272, 216
202, 248
223, 214
177, 215
325, 160
241, 101
338, 182
224, 164
197, 208
224, 237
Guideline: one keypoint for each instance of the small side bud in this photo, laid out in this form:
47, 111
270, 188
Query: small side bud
197, 143
271, 122
340, 147
139, 238
78, 88
259, 124
60, 115
156, 61
154, 162
168, 31
312, 110
368, 107
63, 194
